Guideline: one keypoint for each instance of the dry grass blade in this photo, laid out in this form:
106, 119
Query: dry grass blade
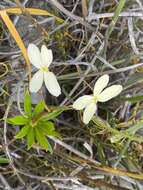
16, 37
84, 8
32, 11
83, 158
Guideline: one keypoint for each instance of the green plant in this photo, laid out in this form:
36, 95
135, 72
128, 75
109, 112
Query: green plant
36, 124
3, 160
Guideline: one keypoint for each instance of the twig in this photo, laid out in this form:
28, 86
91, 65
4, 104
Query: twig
131, 35
95, 16
3, 180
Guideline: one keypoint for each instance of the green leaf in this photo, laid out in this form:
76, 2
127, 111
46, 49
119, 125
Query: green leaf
52, 115
46, 126
23, 132
27, 104
132, 99
101, 154
42, 140
3, 160
48, 129
54, 134
117, 12
30, 138
39, 108
18, 120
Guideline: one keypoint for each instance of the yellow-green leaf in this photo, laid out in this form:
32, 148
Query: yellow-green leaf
39, 108
18, 120
23, 132
27, 104
42, 140
30, 138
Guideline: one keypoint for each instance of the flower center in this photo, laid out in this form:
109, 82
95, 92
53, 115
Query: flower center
95, 99
45, 69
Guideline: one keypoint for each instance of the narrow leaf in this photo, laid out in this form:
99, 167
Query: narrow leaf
42, 140
27, 104
48, 129
101, 154
132, 99
4, 160
54, 134
46, 126
30, 138
18, 120
119, 8
39, 108
52, 115
23, 132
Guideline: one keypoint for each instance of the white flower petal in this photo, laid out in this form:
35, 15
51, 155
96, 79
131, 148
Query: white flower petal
36, 81
100, 84
52, 83
89, 112
34, 55
110, 93
82, 102
46, 55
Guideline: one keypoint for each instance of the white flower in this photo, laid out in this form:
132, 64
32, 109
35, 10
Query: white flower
42, 60
89, 102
